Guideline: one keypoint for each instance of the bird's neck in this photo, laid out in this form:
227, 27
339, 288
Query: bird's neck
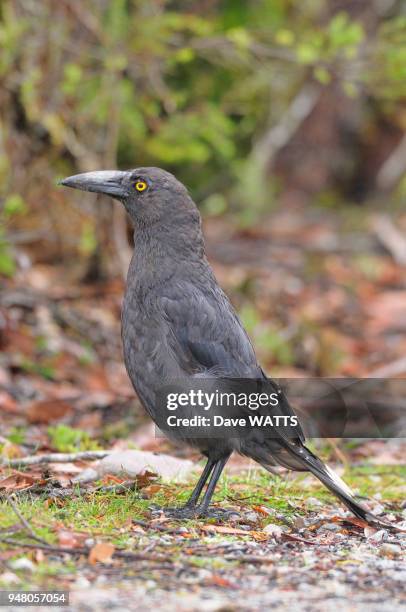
161, 251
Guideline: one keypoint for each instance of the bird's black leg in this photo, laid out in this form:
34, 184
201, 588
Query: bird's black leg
202, 508
191, 509
193, 499
188, 510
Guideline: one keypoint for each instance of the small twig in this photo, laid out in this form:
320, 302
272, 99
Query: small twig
53, 492
294, 538
24, 521
249, 558
12, 530
124, 487
54, 458
81, 550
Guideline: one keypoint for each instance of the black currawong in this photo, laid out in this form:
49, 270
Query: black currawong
178, 323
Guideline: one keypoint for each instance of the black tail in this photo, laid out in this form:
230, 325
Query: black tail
296, 456
334, 483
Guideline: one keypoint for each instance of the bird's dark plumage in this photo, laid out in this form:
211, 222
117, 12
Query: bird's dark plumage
177, 322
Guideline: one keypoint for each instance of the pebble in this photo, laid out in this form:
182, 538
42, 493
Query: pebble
312, 501
378, 536
81, 583
22, 564
251, 516
299, 522
150, 584
9, 578
330, 527
275, 530
389, 550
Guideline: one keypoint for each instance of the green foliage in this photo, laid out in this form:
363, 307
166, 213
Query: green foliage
7, 263
131, 83
269, 341
42, 368
13, 206
88, 240
17, 435
67, 440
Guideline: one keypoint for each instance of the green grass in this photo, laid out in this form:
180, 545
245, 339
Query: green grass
107, 516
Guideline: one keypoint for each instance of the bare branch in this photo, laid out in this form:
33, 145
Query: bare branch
391, 238
81, 550
24, 521
54, 458
393, 168
280, 134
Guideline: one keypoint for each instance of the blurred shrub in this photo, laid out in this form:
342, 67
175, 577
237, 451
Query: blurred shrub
194, 87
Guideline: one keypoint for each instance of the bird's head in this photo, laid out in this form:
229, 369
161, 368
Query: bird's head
148, 194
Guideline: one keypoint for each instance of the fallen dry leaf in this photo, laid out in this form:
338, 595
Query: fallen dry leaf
69, 539
225, 529
144, 480
38, 555
355, 521
150, 490
217, 580
47, 411
8, 404
18, 481
101, 553
259, 536
262, 510
10, 450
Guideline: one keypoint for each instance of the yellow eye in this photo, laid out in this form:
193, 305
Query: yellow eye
140, 185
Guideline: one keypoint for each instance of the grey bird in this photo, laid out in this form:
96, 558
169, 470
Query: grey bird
178, 323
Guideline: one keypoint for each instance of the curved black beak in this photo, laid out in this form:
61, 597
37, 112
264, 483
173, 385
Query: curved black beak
110, 182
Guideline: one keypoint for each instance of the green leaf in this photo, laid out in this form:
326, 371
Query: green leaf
322, 75
65, 439
285, 37
7, 263
14, 205
307, 53
88, 240
72, 75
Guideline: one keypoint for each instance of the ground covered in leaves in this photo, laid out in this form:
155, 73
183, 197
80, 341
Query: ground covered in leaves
315, 304
104, 544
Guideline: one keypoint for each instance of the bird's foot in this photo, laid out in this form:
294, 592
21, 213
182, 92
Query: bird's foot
193, 512
221, 514
182, 512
